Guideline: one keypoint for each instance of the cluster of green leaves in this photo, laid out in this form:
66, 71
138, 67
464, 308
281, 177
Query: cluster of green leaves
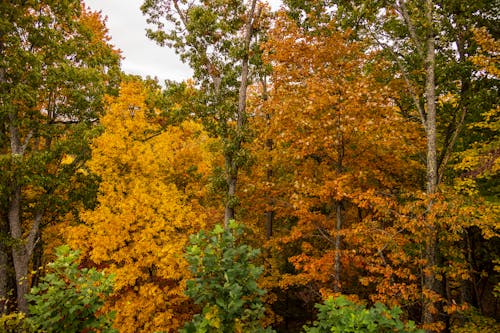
224, 283
69, 298
16, 322
341, 315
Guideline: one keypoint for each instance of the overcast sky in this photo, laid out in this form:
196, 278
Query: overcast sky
141, 56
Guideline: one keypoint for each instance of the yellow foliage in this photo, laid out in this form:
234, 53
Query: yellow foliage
143, 220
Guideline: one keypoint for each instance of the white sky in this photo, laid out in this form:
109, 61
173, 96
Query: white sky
127, 27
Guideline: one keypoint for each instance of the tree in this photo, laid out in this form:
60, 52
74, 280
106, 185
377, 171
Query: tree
217, 39
481, 160
56, 65
224, 282
430, 44
147, 206
342, 155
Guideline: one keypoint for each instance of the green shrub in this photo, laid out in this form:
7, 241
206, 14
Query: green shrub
16, 322
68, 298
340, 315
472, 321
224, 283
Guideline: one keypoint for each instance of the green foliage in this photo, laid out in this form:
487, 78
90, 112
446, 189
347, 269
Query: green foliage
16, 322
340, 315
225, 282
69, 298
474, 322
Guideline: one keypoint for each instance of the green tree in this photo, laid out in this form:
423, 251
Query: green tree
224, 282
217, 39
68, 299
55, 66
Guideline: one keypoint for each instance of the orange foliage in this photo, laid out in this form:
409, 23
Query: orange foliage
342, 154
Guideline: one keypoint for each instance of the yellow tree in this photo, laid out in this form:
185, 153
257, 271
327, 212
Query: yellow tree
142, 222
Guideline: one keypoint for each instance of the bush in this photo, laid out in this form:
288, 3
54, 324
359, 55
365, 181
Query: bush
472, 321
16, 322
225, 283
340, 315
68, 298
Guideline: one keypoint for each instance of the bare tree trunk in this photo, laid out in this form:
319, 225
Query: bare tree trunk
269, 172
428, 315
232, 167
4, 228
22, 248
338, 207
231, 174
19, 255
270, 202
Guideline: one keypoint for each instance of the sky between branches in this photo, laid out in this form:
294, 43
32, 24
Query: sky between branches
141, 56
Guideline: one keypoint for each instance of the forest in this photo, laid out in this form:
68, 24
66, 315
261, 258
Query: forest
331, 166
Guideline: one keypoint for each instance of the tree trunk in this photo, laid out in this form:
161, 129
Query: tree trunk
22, 248
269, 172
19, 255
338, 226
231, 174
4, 229
232, 167
428, 311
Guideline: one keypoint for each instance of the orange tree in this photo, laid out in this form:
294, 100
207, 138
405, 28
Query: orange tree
342, 154
346, 170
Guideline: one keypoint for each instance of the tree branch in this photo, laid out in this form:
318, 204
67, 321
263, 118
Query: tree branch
411, 28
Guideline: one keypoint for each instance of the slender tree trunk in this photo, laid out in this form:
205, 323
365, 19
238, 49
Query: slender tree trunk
269, 172
231, 174
22, 248
19, 255
428, 312
338, 226
270, 202
232, 168
4, 229
338, 207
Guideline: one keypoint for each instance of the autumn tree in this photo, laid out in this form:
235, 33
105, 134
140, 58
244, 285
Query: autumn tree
56, 65
430, 45
217, 39
476, 177
341, 155
149, 204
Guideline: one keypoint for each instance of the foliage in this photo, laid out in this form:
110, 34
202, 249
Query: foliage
218, 40
152, 183
342, 315
56, 64
342, 155
224, 282
16, 322
479, 165
69, 298
472, 321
